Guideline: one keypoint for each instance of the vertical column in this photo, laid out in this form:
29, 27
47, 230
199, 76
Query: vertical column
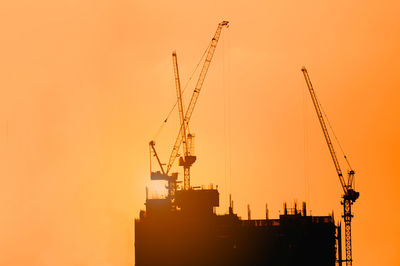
186, 180
347, 229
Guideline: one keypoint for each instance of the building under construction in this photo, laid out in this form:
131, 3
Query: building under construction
184, 229
192, 234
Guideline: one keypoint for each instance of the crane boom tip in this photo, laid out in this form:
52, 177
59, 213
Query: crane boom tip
224, 23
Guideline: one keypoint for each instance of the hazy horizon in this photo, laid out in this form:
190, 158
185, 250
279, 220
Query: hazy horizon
86, 85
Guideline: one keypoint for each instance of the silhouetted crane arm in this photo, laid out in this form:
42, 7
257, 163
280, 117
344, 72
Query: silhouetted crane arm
324, 129
196, 93
180, 104
152, 143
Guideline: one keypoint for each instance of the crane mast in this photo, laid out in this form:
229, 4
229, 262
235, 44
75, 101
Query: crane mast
350, 195
189, 159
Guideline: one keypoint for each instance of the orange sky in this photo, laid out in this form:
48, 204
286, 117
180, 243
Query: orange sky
86, 84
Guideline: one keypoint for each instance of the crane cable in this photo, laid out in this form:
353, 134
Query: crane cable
185, 87
333, 132
306, 151
226, 59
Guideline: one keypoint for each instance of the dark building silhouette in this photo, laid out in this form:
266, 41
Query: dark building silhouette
186, 231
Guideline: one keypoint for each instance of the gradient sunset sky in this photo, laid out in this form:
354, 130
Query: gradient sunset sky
85, 85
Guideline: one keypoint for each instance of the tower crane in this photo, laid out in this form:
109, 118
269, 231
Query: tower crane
187, 139
180, 104
163, 175
349, 193
184, 136
188, 159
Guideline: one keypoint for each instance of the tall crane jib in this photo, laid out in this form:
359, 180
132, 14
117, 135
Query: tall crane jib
350, 195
